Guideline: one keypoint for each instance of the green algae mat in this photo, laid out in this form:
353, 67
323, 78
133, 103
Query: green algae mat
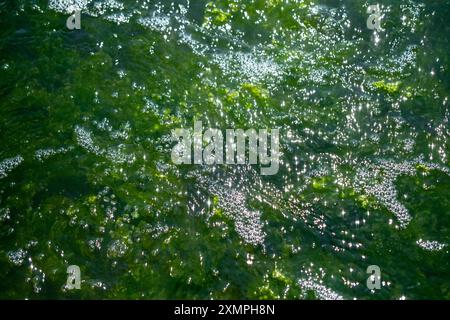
92, 205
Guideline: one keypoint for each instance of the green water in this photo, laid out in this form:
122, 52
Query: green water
86, 176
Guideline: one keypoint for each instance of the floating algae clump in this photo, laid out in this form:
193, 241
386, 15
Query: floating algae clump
257, 91
388, 87
216, 15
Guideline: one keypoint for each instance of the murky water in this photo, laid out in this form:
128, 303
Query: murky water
86, 176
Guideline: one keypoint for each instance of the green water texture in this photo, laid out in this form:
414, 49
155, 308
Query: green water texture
86, 176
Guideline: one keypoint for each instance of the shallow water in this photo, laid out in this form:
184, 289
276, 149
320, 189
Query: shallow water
86, 176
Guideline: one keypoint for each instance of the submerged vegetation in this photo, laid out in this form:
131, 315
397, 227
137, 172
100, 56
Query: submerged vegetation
86, 176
